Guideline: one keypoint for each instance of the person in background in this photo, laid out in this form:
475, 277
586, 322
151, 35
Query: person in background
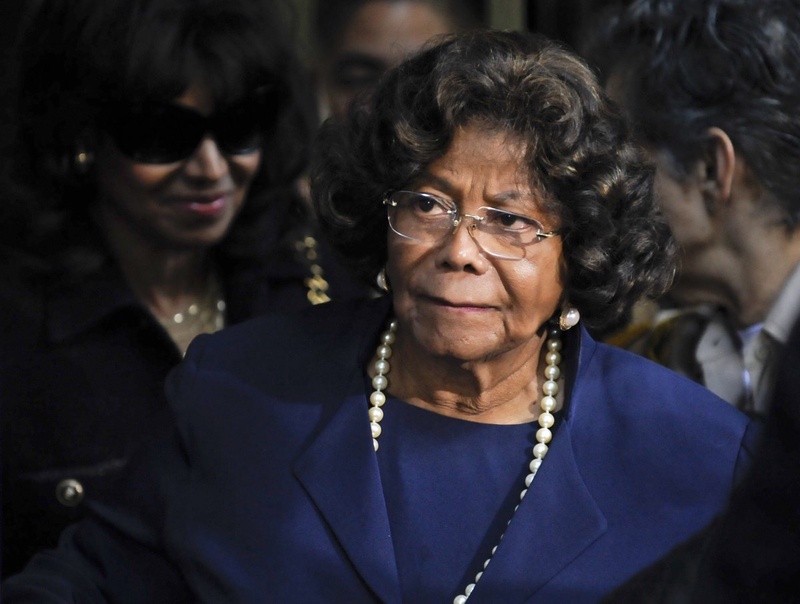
462, 437
149, 197
712, 90
356, 41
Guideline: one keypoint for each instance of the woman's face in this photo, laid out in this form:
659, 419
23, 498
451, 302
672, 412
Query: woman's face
188, 203
451, 297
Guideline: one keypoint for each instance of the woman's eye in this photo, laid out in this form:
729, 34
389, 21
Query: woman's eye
509, 221
423, 204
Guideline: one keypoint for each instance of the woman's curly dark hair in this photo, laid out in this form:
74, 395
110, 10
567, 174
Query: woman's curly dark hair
616, 245
78, 58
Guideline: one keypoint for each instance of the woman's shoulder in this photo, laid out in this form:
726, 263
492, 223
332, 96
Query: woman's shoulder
662, 433
650, 393
337, 329
297, 360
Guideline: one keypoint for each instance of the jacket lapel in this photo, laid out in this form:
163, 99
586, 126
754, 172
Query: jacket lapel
558, 518
339, 470
555, 522
75, 308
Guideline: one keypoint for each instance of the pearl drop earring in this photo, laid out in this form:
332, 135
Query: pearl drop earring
381, 280
569, 318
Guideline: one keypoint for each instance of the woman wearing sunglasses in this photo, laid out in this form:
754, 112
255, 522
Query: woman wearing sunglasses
462, 438
151, 199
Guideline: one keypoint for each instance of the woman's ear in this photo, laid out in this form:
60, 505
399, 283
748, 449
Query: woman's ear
719, 163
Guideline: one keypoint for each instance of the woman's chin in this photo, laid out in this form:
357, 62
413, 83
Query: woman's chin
456, 345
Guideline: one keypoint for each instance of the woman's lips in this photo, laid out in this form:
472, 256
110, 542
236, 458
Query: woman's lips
458, 305
210, 207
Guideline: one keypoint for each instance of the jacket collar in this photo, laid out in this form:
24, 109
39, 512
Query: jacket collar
558, 518
555, 522
74, 308
77, 307
340, 472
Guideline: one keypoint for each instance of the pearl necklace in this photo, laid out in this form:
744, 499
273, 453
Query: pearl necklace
543, 434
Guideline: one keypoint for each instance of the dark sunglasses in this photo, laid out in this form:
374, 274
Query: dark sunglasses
157, 133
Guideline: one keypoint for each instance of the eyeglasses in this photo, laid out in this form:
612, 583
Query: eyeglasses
429, 219
159, 133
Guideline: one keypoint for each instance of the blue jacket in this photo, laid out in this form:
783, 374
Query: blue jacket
269, 490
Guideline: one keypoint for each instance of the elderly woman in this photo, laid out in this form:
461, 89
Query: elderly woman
461, 438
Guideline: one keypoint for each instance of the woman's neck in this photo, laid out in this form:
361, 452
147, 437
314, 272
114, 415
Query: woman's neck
165, 279
501, 390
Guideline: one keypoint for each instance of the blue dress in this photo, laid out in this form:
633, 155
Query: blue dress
451, 486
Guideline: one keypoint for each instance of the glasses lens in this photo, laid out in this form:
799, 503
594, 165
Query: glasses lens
162, 134
506, 234
237, 131
157, 134
419, 216
428, 218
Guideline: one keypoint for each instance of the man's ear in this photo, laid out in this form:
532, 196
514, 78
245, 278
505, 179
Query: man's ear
719, 162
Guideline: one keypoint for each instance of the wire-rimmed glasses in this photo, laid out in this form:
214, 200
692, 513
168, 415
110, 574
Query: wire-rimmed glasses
429, 219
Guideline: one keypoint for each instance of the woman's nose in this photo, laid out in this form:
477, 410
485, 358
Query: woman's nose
207, 161
460, 249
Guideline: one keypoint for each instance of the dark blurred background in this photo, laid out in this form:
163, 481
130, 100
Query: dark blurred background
561, 19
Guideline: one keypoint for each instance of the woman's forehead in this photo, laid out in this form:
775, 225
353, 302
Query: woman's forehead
476, 154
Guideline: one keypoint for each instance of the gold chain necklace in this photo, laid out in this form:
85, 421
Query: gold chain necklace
205, 315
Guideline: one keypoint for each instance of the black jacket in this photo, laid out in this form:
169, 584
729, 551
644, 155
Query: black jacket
82, 367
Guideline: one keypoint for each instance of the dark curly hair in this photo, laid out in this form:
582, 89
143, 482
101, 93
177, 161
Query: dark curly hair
77, 58
681, 67
578, 154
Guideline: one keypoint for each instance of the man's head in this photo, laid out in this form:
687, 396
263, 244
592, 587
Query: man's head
356, 41
712, 90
